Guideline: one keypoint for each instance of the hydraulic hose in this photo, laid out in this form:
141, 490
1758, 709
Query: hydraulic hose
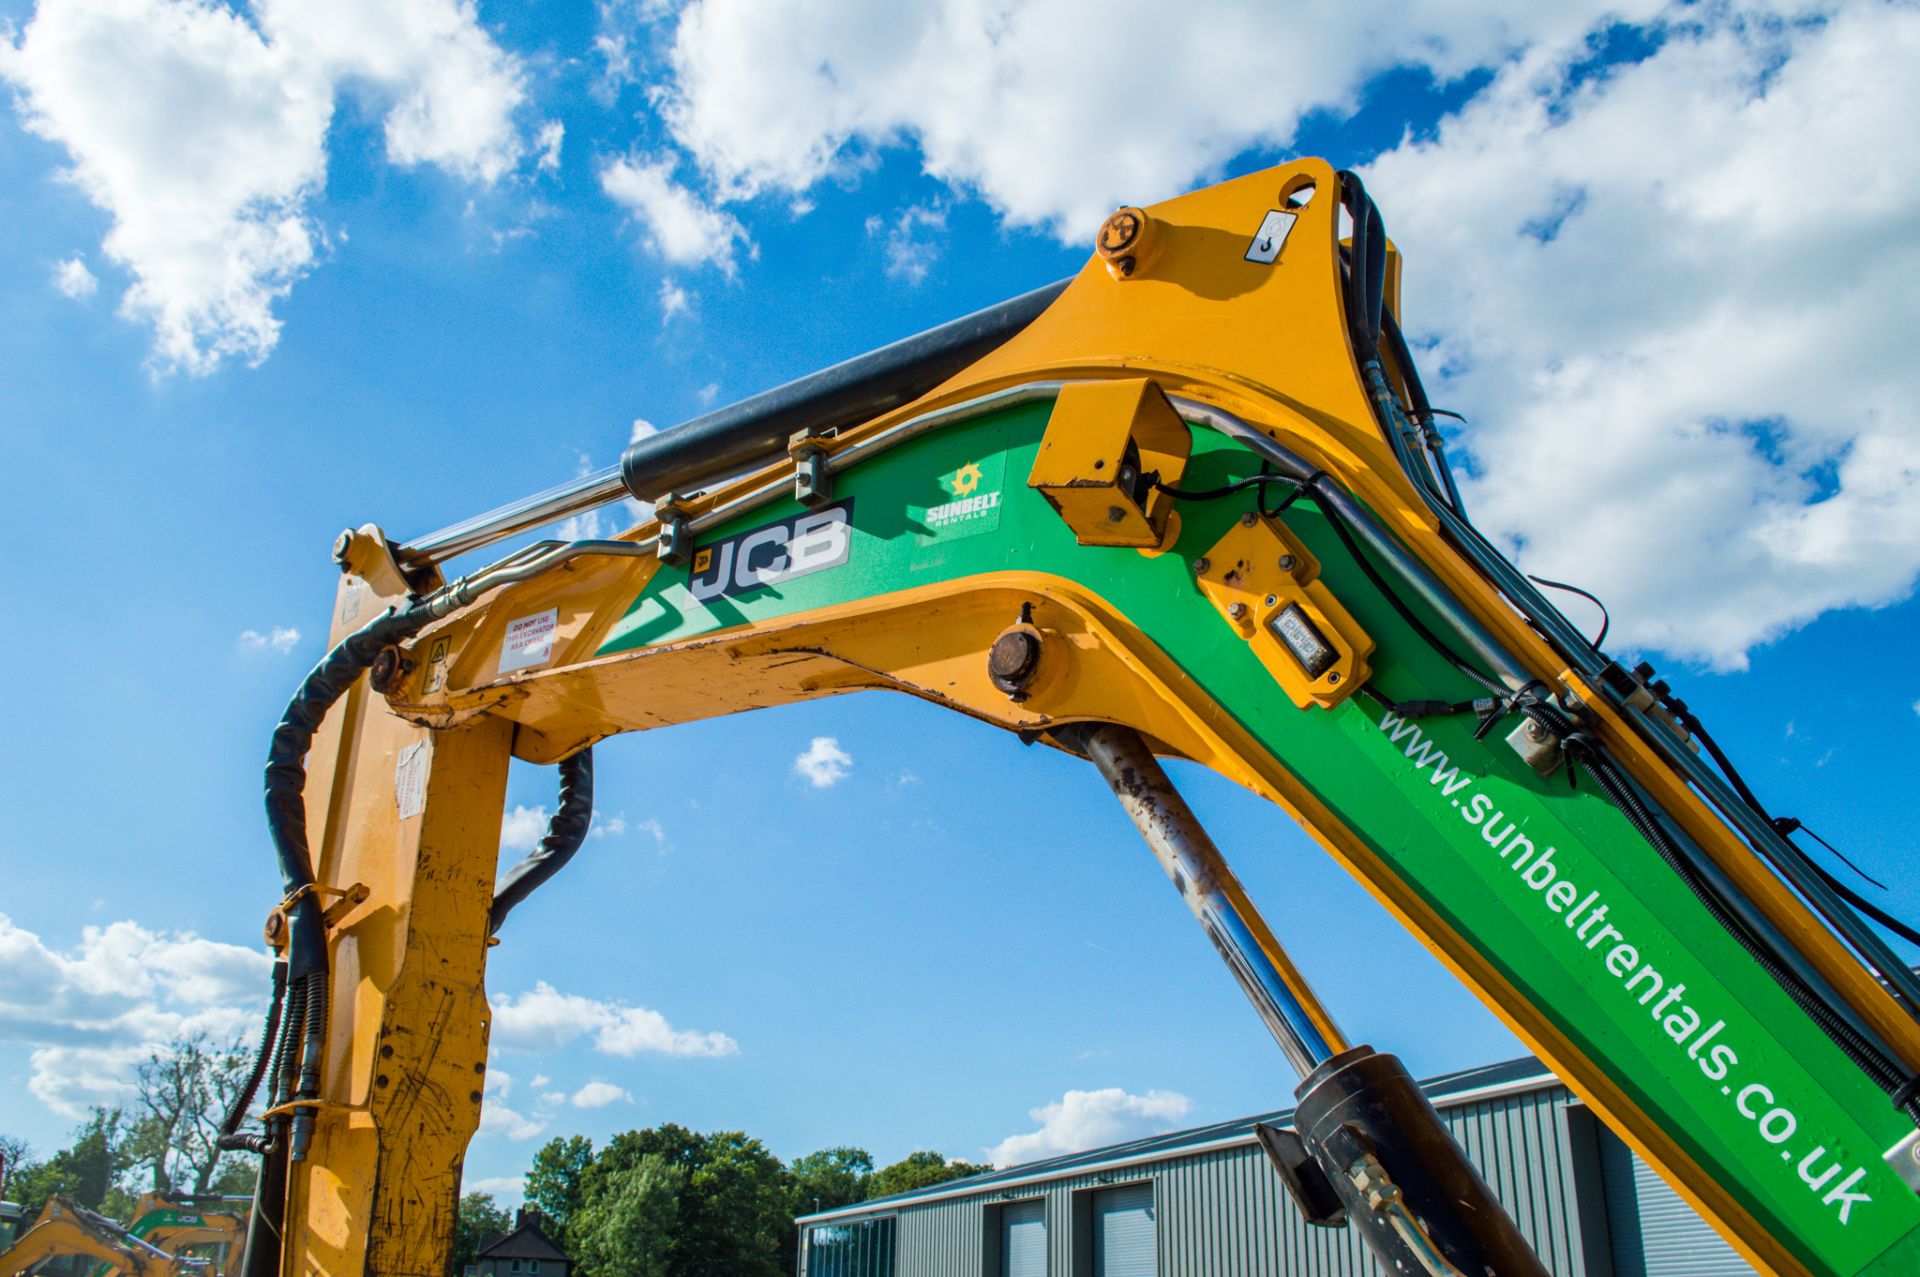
1364, 316
565, 832
286, 779
1885, 1072
230, 1136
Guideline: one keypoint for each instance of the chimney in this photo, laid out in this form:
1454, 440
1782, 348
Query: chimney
527, 1215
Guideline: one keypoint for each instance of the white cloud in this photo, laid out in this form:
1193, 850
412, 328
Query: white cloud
506, 1187
201, 132
540, 1080
1916, 707
597, 1095
73, 279
911, 241
498, 1117
1087, 1119
1688, 381
642, 429
678, 226
547, 142
708, 393
608, 827
546, 1019
674, 300
522, 828
278, 640
94, 1012
823, 763
652, 825
1686, 377
1035, 108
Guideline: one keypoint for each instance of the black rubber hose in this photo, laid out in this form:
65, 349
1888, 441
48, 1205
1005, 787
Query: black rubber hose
1365, 296
1884, 1073
230, 1137
566, 831
286, 780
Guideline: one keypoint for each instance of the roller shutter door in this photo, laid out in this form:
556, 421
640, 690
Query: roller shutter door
1123, 1232
1023, 1239
1654, 1232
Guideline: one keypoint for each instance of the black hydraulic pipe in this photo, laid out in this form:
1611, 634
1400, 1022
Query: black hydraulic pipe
1419, 1203
572, 815
739, 436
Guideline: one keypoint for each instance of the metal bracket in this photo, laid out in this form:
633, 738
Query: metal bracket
1537, 747
812, 476
675, 542
1306, 1183
1904, 1159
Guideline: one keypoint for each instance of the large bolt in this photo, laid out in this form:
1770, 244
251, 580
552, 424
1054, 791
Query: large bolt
1012, 660
1128, 242
1200, 565
1237, 611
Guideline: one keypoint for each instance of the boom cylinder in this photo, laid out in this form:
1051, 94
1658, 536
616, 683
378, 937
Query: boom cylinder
1279, 993
1363, 1129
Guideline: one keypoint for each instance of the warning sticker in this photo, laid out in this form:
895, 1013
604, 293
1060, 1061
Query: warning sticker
410, 780
437, 666
529, 641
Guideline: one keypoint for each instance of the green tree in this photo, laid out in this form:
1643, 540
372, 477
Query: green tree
555, 1180
627, 1229
88, 1170
732, 1216
917, 1170
477, 1217
829, 1178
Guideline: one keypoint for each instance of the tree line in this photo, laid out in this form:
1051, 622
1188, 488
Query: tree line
669, 1202
663, 1202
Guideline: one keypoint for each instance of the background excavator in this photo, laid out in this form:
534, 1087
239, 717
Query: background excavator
66, 1230
166, 1237
1191, 504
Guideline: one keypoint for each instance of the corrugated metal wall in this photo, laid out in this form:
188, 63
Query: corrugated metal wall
1225, 1213
1655, 1232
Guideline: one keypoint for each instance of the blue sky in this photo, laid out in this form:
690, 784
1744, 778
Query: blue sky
1650, 255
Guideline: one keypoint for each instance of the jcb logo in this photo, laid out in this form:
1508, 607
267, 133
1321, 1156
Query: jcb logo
807, 543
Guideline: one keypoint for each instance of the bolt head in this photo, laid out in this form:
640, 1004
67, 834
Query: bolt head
1270, 600
1201, 565
1286, 562
1119, 232
1248, 519
1012, 659
1115, 514
1238, 611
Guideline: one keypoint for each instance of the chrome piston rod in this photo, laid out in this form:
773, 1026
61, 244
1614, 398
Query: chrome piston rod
1280, 995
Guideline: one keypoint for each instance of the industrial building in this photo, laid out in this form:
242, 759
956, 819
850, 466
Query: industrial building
1206, 1203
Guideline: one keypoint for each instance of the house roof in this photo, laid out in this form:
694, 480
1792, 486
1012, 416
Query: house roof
524, 1242
1524, 1074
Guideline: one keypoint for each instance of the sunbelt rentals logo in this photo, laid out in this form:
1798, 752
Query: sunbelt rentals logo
968, 499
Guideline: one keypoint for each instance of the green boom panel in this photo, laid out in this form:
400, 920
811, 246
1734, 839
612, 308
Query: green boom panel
1549, 882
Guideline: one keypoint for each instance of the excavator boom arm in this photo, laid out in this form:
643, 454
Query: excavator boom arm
1190, 498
